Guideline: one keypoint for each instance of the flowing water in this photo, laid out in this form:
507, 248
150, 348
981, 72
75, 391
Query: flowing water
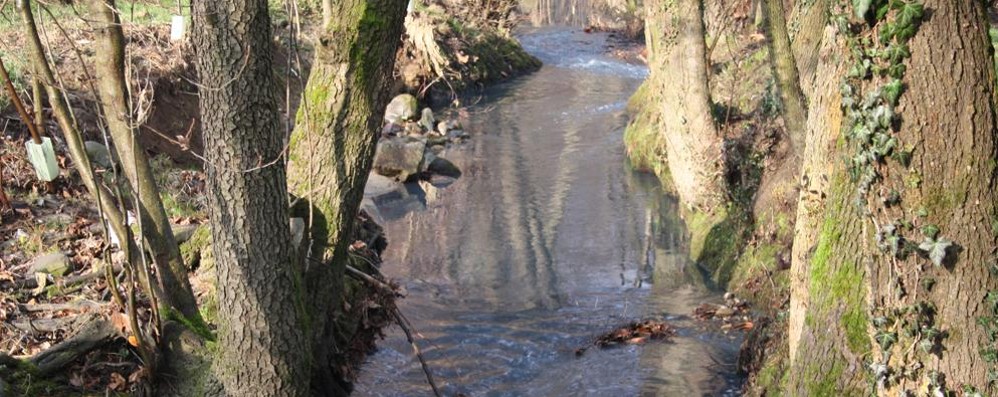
547, 240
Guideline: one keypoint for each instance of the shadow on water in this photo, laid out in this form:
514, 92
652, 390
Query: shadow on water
547, 239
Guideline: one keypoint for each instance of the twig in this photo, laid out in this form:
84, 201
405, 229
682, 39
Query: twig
384, 288
415, 348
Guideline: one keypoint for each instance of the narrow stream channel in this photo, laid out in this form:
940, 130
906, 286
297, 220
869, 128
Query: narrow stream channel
547, 240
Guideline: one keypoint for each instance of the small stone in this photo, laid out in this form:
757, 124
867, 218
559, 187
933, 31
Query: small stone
402, 107
98, 154
442, 128
724, 311
427, 120
56, 264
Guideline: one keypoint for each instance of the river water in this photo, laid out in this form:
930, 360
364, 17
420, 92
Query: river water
547, 239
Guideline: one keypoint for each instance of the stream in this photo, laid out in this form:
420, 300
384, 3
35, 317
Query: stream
547, 240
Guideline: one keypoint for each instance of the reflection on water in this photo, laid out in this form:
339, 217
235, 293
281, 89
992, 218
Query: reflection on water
547, 239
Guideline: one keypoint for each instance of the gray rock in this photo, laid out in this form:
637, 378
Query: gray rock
183, 232
458, 134
427, 121
402, 107
98, 154
724, 311
367, 205
399, 158
56, 264
392, 129
380, 186
442, 166
297, 231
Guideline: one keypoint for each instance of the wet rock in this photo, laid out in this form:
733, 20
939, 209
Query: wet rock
392, 130
379, 186
427, 120
368, 207
442, 166
401, 108
436, 140
98, 154
399, 158
56, 264
724, 311
458, 134
441, 181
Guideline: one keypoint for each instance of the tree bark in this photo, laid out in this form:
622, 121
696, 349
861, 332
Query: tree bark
677, 59
806, 29
114, 100
332, 147
947, 116
262, 346
785, 71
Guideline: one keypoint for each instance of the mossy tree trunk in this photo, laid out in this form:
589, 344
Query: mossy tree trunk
918, 316
332, 148
677, 59
114, 100
262, 345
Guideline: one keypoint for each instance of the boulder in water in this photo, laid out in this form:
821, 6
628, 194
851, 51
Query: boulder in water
401, 108
442, 166
399, 158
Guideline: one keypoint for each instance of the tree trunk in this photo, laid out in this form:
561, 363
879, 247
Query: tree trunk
806, 29
785, 71
114, 100
262, 347
677, 59
332, 147
868, 313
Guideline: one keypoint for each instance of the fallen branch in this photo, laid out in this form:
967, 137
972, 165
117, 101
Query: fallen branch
82, 305
94, 333
382, 287
63, 283
401, 321
44, 325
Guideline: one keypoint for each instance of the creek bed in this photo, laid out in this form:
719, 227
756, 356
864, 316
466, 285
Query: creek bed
547, 240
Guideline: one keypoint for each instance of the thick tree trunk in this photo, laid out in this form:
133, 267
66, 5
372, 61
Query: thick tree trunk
866, 313
818, 160
112, 84
785, 71
262, 347
806, 29
332, 148
677, 59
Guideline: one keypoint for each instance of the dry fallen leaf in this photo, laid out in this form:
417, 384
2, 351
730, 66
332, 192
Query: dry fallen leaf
117, 382
132, 340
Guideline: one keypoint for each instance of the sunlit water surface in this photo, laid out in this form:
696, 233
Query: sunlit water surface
546, 240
